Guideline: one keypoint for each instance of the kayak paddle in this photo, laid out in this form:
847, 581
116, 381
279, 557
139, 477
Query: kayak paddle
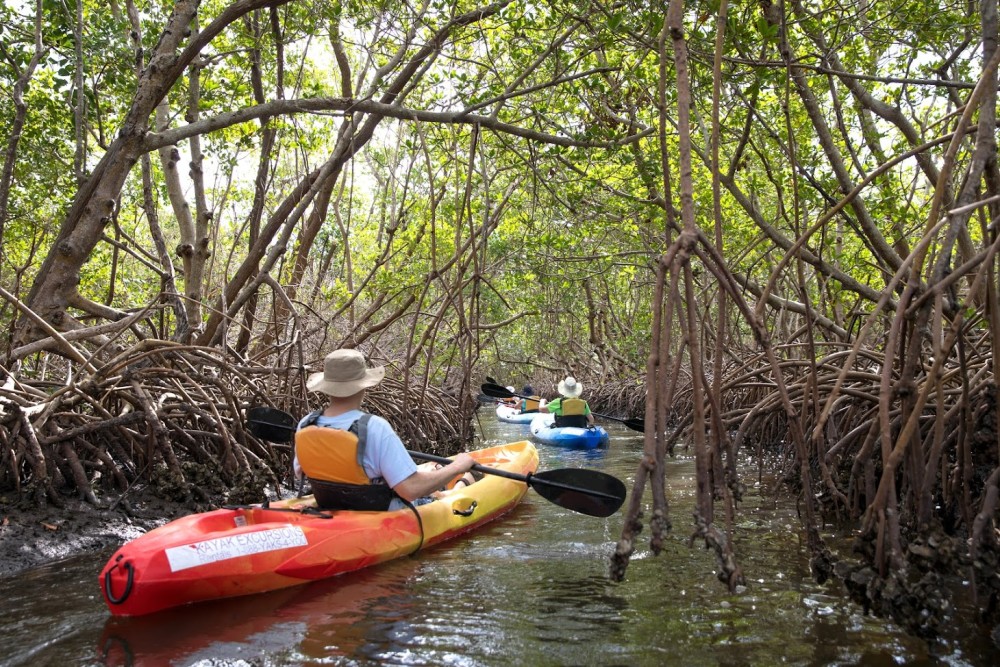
585, 491
499, 391
582, 490
271, 424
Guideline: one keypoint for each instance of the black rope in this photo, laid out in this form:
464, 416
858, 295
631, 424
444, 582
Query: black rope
312, 511
420, 523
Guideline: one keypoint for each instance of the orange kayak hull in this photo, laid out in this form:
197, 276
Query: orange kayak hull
246, 550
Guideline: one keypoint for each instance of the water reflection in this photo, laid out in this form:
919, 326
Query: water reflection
563, 457
335, 617
571, 606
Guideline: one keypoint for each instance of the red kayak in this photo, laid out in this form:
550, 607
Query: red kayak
240, 551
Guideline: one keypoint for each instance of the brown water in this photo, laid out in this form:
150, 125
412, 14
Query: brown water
531, 589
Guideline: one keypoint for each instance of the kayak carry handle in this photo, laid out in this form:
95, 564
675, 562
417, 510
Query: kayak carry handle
127, 566
466, 512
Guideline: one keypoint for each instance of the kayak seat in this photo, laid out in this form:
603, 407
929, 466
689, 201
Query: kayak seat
363, 498
571, 421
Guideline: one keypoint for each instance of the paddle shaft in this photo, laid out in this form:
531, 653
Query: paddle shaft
614, 419
527, 479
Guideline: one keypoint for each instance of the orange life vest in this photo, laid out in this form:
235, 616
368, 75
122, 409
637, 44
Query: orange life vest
332, 459
331, 455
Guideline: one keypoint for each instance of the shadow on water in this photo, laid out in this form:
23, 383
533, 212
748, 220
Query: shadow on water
530, 589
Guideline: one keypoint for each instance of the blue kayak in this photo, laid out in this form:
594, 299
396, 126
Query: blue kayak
567, 436
509, 415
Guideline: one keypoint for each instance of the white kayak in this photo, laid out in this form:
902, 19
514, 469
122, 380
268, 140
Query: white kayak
511, 415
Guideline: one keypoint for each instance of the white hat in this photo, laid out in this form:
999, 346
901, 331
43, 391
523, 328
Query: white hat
570, 388
345, 374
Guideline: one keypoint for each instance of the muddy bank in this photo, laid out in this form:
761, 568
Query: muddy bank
33, 537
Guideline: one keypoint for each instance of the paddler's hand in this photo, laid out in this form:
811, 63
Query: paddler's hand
463, 463
425, 482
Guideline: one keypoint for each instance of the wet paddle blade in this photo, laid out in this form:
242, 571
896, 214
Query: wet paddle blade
635, 424
271, 424
496, 391
585, 491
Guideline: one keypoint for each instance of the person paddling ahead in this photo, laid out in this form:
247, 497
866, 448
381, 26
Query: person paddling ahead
355, 460
532, 402
569, 409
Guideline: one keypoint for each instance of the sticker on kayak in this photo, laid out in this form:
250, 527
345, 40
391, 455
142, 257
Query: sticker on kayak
234, 546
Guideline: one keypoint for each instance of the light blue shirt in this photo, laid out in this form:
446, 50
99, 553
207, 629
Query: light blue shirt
385, 455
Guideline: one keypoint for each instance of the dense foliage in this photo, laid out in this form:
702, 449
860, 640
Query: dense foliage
770, 227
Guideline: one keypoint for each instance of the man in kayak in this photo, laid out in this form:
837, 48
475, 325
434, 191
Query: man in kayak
569, 408
355, 460
530, 404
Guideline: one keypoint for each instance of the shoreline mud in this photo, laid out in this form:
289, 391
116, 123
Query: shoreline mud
31, 538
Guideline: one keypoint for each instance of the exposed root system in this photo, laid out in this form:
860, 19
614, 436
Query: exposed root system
172, 418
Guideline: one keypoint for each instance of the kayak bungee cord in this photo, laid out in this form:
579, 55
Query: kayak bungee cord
420, 523
311, 511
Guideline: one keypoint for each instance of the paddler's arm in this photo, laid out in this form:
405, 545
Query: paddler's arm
424, 482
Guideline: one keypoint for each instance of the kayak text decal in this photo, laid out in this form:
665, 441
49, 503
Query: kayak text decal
234, 546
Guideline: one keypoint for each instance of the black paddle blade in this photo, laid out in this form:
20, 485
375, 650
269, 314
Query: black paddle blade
491, 380
497, 391
585, 491
271, 424
635, 424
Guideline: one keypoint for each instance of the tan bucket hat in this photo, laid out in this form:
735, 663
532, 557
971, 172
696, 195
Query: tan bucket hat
569, 387
345, 374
